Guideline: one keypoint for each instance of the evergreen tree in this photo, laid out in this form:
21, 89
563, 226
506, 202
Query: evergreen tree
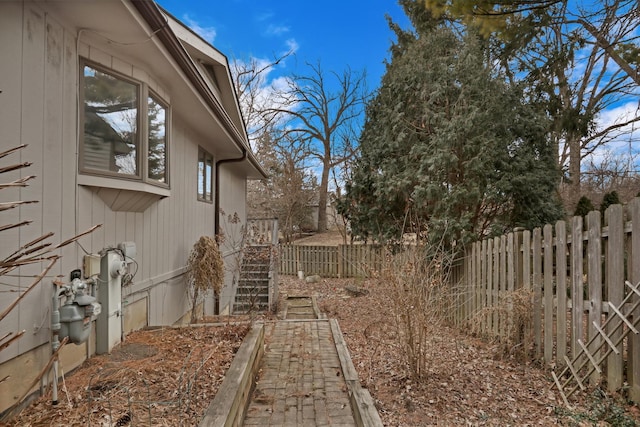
609, 199
448, 148
584, 206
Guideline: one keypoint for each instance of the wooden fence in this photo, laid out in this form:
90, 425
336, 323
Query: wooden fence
331, 261
574, 273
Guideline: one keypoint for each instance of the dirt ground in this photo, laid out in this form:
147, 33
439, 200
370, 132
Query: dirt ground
171, 375
329, 238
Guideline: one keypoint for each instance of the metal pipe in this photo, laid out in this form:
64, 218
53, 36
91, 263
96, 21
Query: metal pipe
55, 342
54, 391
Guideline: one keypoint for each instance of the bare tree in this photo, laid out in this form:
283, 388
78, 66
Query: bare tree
323, 110
290, 188
255, 92
288, 191
612, 172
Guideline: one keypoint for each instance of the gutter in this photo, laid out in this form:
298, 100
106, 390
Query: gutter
159, 27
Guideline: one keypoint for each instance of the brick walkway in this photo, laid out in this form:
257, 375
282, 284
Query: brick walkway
301, 381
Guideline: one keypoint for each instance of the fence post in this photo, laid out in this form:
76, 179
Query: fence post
561, 291
496, 286
615, 287
594, 272
511, 279
472, 285
526, 284
483, 287
577, 286
634, 278
537, 291
489, 287
548, 293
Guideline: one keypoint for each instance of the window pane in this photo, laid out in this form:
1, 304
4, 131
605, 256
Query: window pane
201, 182
110, 123
157, 140
205, 176
208, 174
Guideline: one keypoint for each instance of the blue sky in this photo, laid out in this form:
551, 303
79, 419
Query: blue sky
339, 34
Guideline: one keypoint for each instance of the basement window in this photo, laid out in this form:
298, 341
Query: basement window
124, 128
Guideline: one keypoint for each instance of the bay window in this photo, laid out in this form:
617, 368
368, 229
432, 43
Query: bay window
125, 128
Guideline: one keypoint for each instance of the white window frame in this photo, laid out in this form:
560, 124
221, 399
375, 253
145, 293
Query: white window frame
144, 94
205, 178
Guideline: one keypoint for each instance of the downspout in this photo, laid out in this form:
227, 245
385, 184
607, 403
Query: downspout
216, 204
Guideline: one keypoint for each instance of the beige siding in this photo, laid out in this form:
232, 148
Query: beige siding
232, 201
38, 107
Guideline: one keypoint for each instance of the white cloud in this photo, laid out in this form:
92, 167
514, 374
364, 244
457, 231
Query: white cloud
207, 33
623, 141
618, 114
264, 17
292, 45
276, 30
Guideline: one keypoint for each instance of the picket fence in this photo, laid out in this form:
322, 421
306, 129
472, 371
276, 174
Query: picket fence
331, 261
575, 273
573, 277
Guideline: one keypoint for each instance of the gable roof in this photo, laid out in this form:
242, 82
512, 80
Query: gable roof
208, 70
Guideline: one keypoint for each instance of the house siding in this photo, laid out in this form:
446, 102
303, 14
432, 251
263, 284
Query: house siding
39, 83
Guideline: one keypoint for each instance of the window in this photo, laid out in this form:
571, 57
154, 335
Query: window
123, 137
205, 176
157, 158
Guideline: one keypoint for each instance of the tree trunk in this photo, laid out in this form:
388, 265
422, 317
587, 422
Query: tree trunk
322, 197
574, 170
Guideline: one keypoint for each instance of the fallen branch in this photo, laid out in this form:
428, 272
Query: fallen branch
6, 267
22, 182
17, 254
15, 167
356, 291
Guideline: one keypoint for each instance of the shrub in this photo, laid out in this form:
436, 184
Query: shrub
420, 300
206, 271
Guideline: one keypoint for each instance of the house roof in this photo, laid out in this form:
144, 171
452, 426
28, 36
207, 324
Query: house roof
194, 72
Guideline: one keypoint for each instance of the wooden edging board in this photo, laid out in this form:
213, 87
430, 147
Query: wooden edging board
231, 401
364, 410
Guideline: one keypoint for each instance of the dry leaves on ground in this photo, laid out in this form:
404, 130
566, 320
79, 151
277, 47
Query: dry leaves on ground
468, 383
158, 377
172, 375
